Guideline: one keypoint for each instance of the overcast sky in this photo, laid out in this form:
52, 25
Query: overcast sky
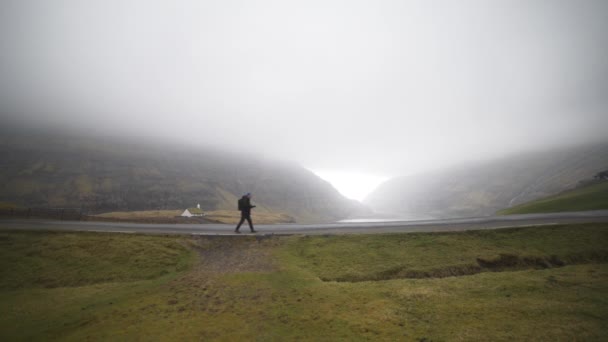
374, 87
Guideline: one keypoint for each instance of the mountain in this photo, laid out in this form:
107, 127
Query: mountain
42, 169
480, 189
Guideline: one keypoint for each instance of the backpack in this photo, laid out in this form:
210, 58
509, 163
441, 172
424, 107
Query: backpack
242, 204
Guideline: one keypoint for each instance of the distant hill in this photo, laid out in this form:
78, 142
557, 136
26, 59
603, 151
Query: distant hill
483, 188
589, 197
39, 169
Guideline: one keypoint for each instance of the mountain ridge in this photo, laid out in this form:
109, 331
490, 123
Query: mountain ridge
108, 174
483, 188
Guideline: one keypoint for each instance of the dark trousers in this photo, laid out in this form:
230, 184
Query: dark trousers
244, 217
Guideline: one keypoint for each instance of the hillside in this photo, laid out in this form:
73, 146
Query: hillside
589, 197
41, 169
484, 188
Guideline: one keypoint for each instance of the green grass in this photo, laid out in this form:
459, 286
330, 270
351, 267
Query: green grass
591, 197
423, 255
286, 288
30, 259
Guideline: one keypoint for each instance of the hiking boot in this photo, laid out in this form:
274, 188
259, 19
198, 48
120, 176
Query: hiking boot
237, 232
254, 231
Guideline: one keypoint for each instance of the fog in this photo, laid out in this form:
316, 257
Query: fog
381, 88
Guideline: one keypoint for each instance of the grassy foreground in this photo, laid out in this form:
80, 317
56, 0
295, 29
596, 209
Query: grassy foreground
540, 283
591, 197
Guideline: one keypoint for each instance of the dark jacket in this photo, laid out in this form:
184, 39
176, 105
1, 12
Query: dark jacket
245, 205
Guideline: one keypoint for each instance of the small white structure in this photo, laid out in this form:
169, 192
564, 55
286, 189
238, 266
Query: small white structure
193, 211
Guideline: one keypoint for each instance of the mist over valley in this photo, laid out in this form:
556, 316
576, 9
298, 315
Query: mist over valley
321, 170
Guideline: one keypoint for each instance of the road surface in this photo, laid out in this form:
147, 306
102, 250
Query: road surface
475, 223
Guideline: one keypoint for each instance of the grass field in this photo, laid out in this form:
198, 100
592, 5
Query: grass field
219, 216
591, 197
539, 283
8, 205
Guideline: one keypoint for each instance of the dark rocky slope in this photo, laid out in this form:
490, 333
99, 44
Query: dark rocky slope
39, 169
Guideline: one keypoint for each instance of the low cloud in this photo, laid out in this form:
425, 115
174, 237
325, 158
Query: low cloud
383, 87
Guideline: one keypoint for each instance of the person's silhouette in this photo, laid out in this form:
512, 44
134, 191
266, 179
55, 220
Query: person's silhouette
245, 208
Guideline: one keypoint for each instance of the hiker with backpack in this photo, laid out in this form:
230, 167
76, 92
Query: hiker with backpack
245, 208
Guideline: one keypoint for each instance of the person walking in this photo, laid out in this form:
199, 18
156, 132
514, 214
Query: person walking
245, 208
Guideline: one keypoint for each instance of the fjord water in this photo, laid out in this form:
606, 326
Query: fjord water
388, 218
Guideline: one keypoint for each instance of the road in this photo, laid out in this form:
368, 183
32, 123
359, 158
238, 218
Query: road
474, 223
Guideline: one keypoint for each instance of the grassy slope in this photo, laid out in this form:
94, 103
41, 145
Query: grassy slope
270, 288
592, 197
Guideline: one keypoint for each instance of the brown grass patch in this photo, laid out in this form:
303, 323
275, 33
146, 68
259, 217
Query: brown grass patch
173, 216
233, 254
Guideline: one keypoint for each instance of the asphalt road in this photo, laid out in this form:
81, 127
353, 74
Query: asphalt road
474, 223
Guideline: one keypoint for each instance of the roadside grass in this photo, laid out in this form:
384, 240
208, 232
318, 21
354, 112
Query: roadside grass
591, 197
428, 255
233, 217
141, 214
54, 259
219, 216
272, 289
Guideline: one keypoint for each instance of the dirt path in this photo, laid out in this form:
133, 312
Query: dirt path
233, 254
202, 288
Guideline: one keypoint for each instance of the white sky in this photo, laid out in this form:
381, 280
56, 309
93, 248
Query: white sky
357, 87
352, 185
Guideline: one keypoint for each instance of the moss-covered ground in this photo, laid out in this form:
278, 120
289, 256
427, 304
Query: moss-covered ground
538, 283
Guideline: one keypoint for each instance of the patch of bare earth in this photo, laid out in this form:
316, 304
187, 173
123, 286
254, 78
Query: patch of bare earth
201, 289
234, 254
